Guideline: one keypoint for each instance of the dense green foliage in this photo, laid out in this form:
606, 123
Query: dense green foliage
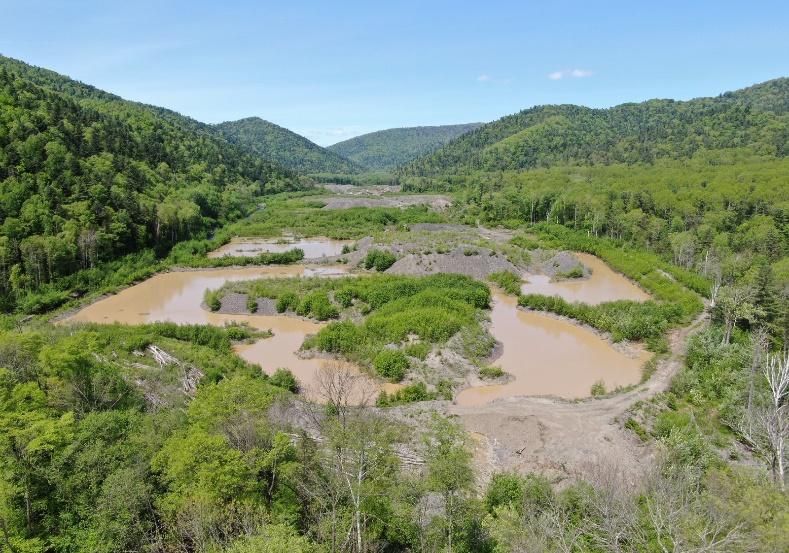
431, 308
382, 151
297, 216
86, 178
546, 136
158, 438
507, 281
284, 147
624, 319
379, 260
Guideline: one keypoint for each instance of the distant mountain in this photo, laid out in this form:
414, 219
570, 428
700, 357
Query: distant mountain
284, 147
86, 176
544, 136
382, 151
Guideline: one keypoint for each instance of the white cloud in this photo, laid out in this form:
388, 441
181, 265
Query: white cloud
483, 78
574, 73
492, 79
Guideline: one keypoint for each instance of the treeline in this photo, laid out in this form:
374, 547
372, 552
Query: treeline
716, 222
553, 135
89, 180
284, 147
382, 151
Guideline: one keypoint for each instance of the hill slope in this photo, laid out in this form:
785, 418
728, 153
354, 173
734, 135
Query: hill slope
86, 176
545, 136
384, 150
284, 147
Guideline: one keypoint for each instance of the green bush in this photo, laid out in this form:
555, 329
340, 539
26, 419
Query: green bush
491, 372
598, 388
420, 350
212, 299
575, 272
339, 337
668, 421
381, 260
507, 281
289, 301
392, 364
407, 394
632, 424
284, 378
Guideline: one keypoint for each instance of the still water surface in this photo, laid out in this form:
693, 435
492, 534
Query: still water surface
546, 355
250, 247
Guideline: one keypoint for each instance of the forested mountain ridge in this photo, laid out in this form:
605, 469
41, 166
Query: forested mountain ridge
552, 135
384, 150
87, 177
285, 147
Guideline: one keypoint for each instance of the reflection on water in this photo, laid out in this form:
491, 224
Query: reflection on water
250, 247
548, 356
603, 285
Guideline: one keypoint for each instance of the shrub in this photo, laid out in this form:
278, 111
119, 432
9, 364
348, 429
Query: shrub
420, 350
381, 260
343, 337
407, 394
392, 364
632, 424
598, 388
575, 272
284, 378
212, 299
289, 301
491, 372
507, 281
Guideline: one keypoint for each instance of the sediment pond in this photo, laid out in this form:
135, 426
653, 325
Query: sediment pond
603, 285
546, 356
250, 247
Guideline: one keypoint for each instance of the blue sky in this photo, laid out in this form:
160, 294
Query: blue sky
333, 70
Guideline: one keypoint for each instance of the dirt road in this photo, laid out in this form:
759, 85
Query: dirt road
565, 440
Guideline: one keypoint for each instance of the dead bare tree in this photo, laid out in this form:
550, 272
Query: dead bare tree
341, 386
765, 426
685, 521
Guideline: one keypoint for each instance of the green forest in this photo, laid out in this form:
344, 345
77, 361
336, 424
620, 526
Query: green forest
285, 147
161, 438
384, 151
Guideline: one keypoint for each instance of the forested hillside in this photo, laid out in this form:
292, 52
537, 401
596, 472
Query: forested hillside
86, 177
382, 151
285, 147
546, 136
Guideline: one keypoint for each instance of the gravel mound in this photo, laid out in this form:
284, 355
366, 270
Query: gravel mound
436, 202
465, 260
236, 304
563, 262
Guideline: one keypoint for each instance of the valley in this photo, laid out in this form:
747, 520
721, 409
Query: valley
564, 330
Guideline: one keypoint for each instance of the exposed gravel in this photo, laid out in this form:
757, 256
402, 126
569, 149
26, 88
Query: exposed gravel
353, 190
436, 202
479, 264
563, 262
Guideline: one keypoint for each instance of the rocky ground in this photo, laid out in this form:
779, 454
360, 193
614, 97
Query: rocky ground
435, 201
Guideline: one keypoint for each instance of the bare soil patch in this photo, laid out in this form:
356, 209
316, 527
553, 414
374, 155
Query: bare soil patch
434, 201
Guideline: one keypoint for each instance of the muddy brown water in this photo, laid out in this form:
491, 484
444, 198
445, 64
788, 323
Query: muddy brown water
603, 285
250, 247
177, 297
546, 355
